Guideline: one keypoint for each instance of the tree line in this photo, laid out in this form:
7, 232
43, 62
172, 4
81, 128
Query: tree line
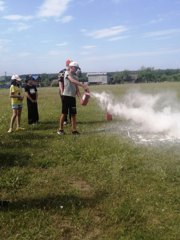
144, 75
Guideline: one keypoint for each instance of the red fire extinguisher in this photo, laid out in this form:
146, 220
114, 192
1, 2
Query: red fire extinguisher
85, 98
108, 116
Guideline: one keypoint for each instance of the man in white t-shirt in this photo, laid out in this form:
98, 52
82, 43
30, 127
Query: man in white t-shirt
71, 89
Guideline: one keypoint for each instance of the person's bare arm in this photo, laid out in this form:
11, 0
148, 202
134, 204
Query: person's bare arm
61, 87
12, 95
78, 83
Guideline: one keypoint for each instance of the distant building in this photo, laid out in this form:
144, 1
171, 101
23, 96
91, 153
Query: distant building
98, 78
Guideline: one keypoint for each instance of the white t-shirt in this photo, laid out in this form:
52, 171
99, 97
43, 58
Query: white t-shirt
69, 87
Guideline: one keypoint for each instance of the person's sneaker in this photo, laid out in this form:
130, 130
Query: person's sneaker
10, 130
20, 129
75, 132
60, 132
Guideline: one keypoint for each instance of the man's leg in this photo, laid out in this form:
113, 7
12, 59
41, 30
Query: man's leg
65, 115
73, 122
62, 121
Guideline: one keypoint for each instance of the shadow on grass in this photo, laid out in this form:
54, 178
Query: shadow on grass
91, 122
46, 125
10, 159
16, 150
24, 140
65, 203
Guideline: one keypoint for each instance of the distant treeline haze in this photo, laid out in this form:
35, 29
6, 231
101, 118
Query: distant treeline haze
144, 75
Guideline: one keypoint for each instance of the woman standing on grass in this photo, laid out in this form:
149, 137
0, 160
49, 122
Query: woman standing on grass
16, 95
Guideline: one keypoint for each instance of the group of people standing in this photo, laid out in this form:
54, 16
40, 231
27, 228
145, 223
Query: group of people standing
17, 97
68, 89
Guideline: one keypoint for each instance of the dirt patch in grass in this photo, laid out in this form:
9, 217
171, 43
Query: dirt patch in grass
82, 186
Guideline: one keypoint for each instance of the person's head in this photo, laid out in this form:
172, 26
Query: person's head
29, 79
73, 67
34, 81
15, 79
68, 61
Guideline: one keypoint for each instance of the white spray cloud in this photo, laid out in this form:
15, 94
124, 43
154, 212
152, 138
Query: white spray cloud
153, 113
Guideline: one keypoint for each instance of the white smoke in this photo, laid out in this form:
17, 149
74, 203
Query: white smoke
152, 113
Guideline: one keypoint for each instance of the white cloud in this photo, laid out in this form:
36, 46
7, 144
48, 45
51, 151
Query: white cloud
120, 1
117, 38
2, 5
145, 53
22, 27
66, 19
88, 46
53, 8
128, 55
157, 20
83, 30
62, 44
162, 33
107, 32
17, 17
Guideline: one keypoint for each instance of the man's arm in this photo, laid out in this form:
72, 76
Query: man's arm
78, 83
61, 87
61, 81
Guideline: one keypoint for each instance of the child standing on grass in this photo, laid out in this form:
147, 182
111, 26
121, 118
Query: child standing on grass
16, 95
32, 97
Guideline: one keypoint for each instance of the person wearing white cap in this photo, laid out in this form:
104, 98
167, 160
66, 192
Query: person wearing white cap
70, 91
16, 96
61, 87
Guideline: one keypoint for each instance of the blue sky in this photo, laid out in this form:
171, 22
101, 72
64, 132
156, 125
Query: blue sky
37, 36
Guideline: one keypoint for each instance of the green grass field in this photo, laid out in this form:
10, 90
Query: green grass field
96, 186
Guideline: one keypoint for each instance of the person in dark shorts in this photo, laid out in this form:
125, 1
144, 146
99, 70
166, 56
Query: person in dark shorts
71, 89
61, 88
32, 97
